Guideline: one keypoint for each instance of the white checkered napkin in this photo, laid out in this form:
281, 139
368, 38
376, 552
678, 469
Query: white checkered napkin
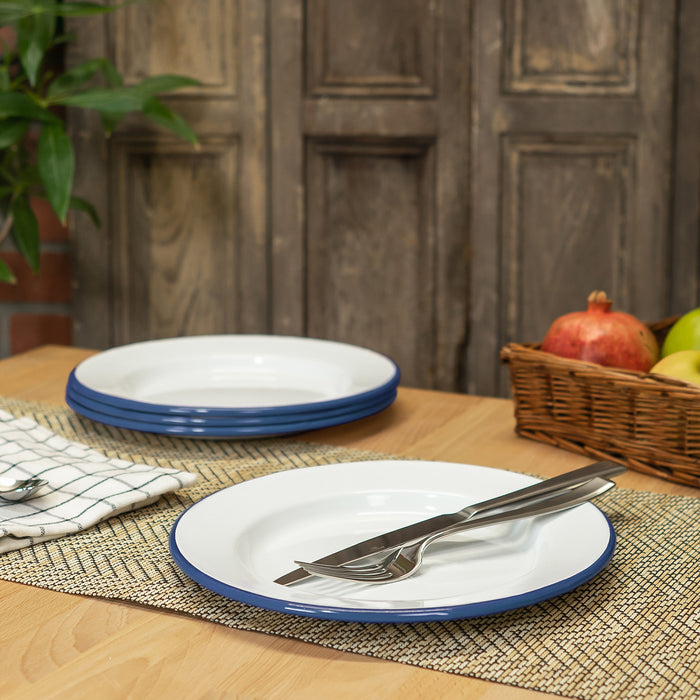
84, 485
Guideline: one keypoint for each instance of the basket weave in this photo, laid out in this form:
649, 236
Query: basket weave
647, 422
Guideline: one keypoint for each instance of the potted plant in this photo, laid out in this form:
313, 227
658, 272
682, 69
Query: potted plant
36, 154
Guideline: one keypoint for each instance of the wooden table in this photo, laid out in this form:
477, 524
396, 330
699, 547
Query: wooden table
58, 645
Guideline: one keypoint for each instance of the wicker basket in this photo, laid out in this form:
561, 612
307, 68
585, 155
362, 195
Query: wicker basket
647, 422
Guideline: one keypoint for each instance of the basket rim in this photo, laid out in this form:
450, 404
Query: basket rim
532, 352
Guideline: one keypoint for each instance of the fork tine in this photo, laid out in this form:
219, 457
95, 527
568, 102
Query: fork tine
361, 578
323, 568
369, 573
331, 568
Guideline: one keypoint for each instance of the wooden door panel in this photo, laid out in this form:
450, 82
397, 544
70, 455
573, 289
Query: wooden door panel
371, 48
370, 243
198, 38
556, 195
574, 47
177, 226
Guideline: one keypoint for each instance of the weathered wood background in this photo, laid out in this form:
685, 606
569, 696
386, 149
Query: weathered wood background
428, 178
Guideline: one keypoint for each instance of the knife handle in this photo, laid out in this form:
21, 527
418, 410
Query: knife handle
542, 488
562, 501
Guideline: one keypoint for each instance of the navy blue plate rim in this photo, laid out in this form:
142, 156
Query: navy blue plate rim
86, 402
405, 615
269, 429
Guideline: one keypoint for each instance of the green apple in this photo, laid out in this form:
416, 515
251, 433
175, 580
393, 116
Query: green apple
684, 334
684, 364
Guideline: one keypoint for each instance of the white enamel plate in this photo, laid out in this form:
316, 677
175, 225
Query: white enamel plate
237, 541
235, 375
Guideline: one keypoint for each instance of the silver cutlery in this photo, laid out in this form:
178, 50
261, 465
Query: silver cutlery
406, 560
19, 489
424, 528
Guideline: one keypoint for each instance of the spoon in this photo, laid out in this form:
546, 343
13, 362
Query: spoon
19, 489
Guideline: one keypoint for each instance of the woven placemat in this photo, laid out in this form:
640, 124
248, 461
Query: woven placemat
631, 632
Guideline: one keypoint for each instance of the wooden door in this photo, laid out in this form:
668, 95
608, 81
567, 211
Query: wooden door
428, 178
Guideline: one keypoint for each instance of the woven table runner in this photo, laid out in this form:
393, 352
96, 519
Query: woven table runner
631, 632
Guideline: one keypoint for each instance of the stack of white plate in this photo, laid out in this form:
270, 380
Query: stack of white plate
229, 386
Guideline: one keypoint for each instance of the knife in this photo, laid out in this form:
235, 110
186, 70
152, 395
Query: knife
409, 533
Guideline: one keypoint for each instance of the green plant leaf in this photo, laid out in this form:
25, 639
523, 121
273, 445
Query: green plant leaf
111, 74
110, 120
158, 84
31, 57
15, 104
5, 80
25, 231
160, 114
11, 131
27, 177
120, 100
6, 275
11, 12
59, 39
56, 163
79, 204
34, 35
77, 76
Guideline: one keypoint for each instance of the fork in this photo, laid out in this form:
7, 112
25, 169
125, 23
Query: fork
404, 561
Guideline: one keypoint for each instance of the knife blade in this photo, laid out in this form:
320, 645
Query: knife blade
409, 533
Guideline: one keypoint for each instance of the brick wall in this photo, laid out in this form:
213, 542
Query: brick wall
37, 309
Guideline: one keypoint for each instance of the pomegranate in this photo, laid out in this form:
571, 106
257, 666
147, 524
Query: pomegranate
610, 338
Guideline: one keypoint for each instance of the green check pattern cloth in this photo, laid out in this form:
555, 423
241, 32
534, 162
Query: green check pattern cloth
84, 486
